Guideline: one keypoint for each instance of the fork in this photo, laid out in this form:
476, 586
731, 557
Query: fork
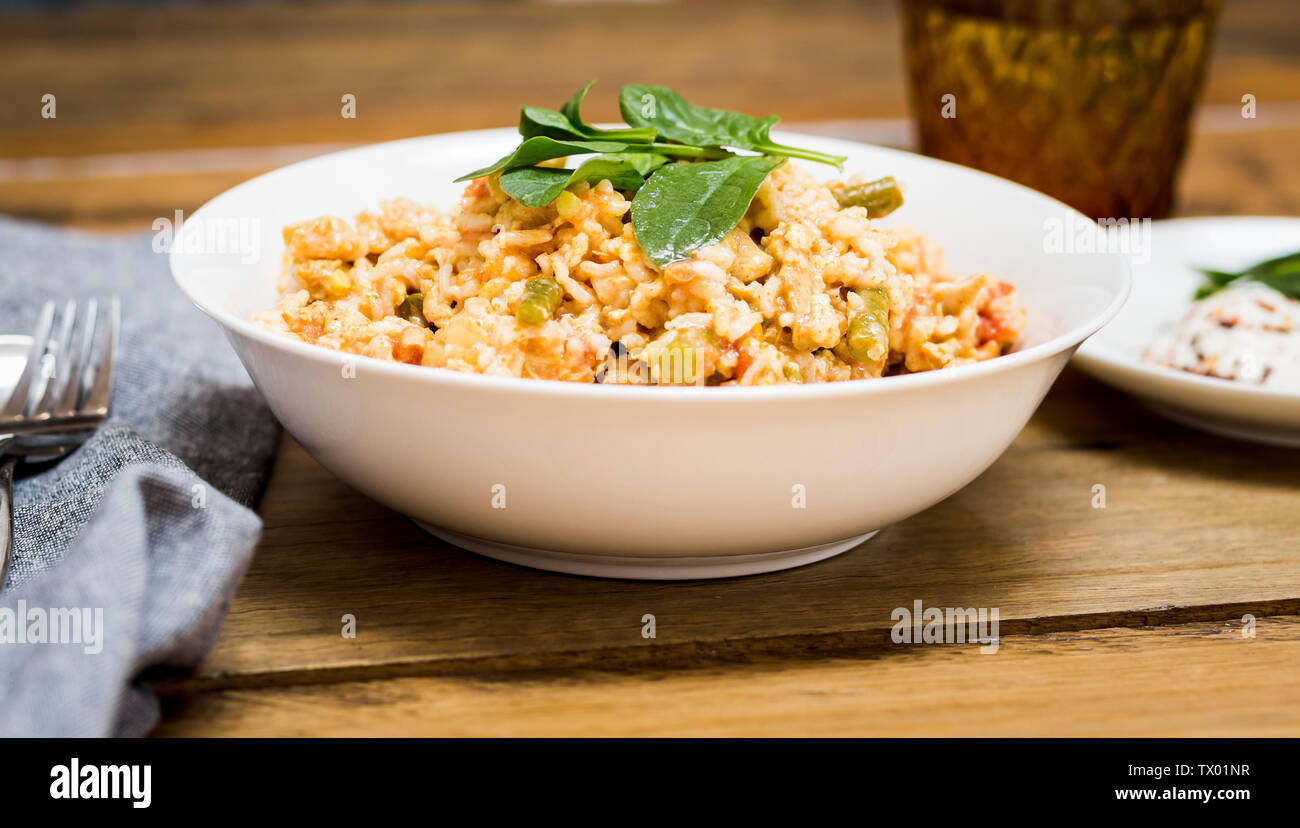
61, 397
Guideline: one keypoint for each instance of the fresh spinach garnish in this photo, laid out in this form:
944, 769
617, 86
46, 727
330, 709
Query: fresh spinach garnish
535, 186
625, 170
572, 110
540, 148
535, 121
568, 125
669, 114
679, 207
1282, 274
705, 202
539, 186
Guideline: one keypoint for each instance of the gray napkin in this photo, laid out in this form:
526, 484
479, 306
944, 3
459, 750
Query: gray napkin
128, 552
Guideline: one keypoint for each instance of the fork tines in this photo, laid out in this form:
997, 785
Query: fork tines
68, 377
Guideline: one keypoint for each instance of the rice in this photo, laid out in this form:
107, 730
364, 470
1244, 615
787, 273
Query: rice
1248, 332
771, 303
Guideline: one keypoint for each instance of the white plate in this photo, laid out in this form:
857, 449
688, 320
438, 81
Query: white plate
645, 482
1163, 291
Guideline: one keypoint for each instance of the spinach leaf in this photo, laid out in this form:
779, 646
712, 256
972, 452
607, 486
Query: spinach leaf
669, 114
625, 170
535, 121
677, 120
681, 206
535, 186
572, 110
541, 148
567, 124
1281, 273
539, 186
1290, 263
684, 207
1284, 278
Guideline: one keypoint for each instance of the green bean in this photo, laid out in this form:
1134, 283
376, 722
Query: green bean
687, 358
868, 334
412, 309
541, 297
679, 364
876, 300
880, 197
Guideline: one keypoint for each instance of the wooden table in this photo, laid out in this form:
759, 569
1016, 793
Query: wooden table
1125, 620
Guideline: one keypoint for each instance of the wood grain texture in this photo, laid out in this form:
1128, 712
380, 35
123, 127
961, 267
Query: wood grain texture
247, 76
1241, 173
1180, 680
1194, 527
257, 74
202, 75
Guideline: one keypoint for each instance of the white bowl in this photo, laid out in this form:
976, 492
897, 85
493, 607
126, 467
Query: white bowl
1163, 292
646, 482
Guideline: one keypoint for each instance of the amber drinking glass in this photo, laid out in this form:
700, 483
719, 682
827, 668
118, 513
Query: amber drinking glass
1086, 100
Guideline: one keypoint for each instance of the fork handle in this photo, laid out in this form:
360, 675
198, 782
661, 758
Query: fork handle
6, 516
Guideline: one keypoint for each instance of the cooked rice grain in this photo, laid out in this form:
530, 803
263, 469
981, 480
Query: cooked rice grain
769, 304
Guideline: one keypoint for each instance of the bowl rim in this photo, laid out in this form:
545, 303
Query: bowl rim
1066, 340
1101, 359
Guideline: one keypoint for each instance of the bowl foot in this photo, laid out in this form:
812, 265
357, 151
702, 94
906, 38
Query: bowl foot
646, 569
